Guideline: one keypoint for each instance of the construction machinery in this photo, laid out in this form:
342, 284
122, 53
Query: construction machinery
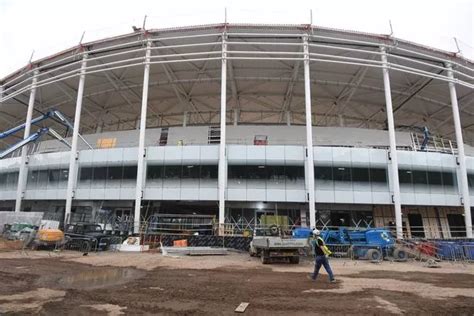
270, 243
54, 115
48, 238
374, 243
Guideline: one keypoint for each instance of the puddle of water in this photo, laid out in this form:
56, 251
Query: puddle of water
112, 310
99, 278
31, 301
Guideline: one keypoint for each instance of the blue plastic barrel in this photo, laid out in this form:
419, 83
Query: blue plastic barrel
302, 232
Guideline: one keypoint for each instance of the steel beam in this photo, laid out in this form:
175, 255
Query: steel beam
393, 146
289, 91
309, 137
74, 155
222, 146
466, 201
23, 172
141, 168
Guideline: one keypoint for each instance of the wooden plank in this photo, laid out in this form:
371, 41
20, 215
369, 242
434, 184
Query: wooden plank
242, 307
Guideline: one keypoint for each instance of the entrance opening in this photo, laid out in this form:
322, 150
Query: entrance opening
339, 219
456, 224
416, 225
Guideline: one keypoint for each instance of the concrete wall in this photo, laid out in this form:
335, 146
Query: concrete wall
276, 135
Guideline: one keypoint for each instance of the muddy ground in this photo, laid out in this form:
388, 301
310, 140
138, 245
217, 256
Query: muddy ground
116, 283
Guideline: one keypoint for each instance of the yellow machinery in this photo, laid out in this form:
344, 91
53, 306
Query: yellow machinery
48, 238
50, 235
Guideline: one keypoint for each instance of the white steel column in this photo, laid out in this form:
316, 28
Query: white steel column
141, 142
72, 175
222, 147
461, 157
23, 173
309, 136
393, 145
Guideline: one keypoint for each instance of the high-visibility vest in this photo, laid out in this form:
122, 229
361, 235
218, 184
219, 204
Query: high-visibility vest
326, 250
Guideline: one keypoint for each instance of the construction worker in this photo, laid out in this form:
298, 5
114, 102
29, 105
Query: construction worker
321, 253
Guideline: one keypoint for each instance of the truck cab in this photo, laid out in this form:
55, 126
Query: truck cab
87, 235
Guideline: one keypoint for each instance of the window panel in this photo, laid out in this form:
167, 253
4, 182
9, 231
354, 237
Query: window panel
155, 172
449, 182
419, 177
405, 176
12, 179
209, 172
342, 174
100, 173
32, 179
470, 179
294, 173
86, 173
360, 175
43, 176
63, 174
190, 172
114, 173
53, 175
256, 172
3, 180
435, 178
378, 175
323, 173
130, 172
276, 173
172, 172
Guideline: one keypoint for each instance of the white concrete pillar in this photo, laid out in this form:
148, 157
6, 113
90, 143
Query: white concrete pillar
393, 146
141, 143
309, 136
288, 118
23, 172
74, 156
461, 156
222, 147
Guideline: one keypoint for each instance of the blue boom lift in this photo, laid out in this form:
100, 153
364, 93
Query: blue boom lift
373, 243
55, 115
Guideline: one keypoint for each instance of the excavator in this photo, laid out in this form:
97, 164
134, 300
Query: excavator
54, 115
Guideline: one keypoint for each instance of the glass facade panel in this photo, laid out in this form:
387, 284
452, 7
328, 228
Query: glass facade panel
342, 174
3, 180
43, 179
9, 180
360, 175
253, 176
172, 172
190, 172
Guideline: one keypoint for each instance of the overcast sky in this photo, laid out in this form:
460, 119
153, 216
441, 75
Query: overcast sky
49, 26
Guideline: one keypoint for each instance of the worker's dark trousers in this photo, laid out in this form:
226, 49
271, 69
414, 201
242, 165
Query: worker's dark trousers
322, 261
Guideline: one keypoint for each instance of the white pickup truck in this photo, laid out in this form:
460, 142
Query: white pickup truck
268, 243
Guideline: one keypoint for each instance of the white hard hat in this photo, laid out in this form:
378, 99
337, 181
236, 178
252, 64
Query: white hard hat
316, 232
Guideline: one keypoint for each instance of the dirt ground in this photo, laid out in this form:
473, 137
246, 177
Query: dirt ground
67, 283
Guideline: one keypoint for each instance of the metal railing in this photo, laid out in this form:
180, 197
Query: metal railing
433, 144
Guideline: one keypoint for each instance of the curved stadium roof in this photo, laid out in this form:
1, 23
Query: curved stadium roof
265, 80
